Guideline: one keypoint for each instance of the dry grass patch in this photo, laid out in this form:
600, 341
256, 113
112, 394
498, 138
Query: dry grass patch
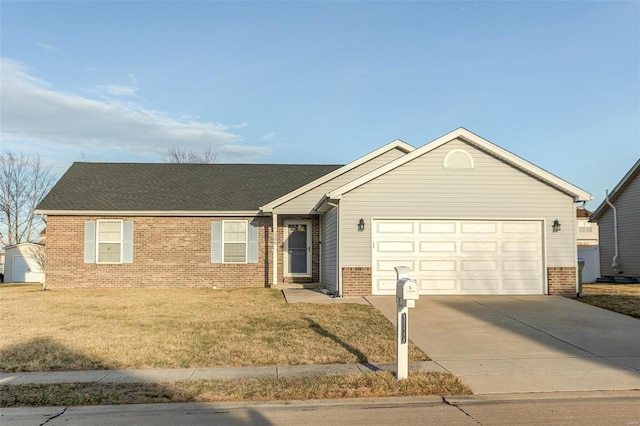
621, 298
379, 384
153, 328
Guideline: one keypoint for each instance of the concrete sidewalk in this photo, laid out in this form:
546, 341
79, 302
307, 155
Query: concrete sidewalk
195, 374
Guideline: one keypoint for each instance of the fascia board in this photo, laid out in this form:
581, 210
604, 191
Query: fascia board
635, 169
396, 144
163, 213
462, 133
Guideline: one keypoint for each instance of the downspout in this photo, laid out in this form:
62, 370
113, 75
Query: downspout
338, 263
614, 263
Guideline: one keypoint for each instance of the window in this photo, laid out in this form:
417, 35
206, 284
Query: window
234, 241
584, 226
109, 241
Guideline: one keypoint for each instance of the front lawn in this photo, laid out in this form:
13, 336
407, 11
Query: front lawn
151, 328
622, 298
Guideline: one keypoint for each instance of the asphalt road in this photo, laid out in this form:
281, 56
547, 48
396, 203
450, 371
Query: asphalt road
619, 408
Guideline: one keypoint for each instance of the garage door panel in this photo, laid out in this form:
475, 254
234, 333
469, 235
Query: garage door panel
437, 265
479, 227
437, 285
437, 227
479, 265
395, 227
437, 247
389, 265
396, 246
460, 257
479, 246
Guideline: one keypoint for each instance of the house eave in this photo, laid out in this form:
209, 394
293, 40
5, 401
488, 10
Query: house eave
613, 195
151, 213
396, 144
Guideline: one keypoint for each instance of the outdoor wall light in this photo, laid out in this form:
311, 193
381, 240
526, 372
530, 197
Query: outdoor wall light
361, 225
556, 226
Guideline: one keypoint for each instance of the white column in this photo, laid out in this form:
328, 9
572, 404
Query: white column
275, 249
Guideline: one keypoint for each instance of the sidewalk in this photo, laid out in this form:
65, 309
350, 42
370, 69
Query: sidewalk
195, 374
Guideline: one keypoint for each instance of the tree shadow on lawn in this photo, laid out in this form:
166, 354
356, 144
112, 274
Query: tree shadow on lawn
360, 356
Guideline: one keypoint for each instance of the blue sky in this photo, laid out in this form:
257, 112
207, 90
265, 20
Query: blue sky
557, 83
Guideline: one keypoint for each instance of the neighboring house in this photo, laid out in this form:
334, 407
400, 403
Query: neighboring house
587, 239
587, 234
619, 228
21, 263
467, 216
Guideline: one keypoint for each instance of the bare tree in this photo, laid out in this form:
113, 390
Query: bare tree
24, 181
176, 154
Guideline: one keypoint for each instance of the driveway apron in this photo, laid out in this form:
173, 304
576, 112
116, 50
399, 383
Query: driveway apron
507, 344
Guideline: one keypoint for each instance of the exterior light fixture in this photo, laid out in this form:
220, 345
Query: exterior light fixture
361, 225
556, 227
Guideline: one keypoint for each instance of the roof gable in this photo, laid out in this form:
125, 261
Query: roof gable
473, 139
617, 190
158, 187
396, 144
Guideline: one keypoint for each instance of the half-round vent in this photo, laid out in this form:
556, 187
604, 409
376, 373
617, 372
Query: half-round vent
458, 159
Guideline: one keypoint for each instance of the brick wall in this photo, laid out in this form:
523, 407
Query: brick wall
167, 252
356, 281
562, 280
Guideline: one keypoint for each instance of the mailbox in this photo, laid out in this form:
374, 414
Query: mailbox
406, 288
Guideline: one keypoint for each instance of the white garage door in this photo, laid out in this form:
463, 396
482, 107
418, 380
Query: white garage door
459, 256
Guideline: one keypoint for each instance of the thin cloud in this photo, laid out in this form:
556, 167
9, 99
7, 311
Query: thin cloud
117, 90
46, 46
268, 137
34, 111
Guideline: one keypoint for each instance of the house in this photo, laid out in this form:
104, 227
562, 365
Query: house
619, 228
587, 240
467, 216
22, 264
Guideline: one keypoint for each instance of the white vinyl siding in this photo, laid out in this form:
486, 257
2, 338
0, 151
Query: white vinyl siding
304, 203
424, 188
109, 241
329, 249
234, 243
628, 207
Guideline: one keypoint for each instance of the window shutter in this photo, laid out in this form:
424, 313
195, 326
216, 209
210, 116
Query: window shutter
252, 252
89, 241
216, 242
127, 242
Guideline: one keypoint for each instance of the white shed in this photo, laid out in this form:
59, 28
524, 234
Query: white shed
21, 264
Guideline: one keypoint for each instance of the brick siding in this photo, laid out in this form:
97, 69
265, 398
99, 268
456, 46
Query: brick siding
168, 252
356, 281
562, 280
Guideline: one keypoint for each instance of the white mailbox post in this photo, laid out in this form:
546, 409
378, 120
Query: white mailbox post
406, 296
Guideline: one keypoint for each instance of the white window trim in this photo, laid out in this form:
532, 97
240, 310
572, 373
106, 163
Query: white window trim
246, 240
98, 241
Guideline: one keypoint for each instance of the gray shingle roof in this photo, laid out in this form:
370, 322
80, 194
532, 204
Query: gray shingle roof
188, 187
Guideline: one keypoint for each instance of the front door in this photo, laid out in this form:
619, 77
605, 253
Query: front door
298, 248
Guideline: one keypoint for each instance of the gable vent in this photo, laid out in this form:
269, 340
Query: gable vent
458, 159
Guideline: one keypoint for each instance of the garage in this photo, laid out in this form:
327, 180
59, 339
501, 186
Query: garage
459, 256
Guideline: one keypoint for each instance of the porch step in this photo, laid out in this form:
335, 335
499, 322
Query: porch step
311, 286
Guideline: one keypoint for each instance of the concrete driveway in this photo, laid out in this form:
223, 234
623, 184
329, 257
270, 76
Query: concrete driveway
506, 344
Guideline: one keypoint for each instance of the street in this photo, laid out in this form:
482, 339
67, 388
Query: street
593, 408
